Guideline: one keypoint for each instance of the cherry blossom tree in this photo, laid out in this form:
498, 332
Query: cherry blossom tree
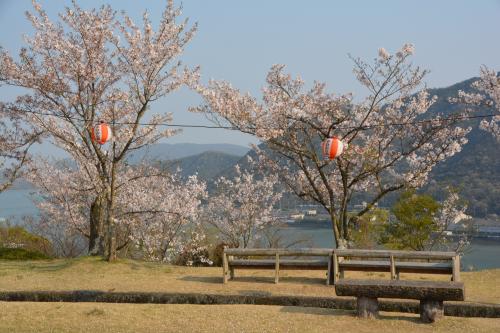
243, 206
169, 209
97, 65
488, 95
393, 142
155, 212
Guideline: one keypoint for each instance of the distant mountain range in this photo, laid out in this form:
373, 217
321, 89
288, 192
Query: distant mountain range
208, 165
167, 151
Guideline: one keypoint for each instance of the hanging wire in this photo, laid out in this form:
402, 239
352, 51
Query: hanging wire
365, 127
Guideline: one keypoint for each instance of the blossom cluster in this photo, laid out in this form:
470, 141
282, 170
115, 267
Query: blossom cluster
243, 206
488, 94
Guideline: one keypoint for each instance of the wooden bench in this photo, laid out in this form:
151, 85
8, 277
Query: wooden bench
430, 293
320, 259
396, 262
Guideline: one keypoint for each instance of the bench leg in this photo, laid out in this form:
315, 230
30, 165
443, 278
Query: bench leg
231, 269
393, 268
367, 307
225, 267
430, 310
337, 273
277, 269
335, 269
456, 268
329, 271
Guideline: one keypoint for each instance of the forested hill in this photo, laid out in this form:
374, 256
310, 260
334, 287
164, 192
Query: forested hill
207, 165
476, 169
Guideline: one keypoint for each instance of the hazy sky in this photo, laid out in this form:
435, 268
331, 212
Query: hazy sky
238, 41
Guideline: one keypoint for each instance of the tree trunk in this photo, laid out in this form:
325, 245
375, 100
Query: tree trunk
111, 239
336, 233
111, 223
345, 226
96, 238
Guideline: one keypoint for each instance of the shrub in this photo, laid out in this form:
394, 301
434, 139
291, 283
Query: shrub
21, 254
18, 238
193, 257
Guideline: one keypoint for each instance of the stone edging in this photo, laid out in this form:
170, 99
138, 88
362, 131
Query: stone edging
458, 309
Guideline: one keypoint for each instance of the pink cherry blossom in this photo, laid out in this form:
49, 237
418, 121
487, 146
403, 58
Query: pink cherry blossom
488, 95
243, 206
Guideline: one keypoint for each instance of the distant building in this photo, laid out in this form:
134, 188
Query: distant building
298, 216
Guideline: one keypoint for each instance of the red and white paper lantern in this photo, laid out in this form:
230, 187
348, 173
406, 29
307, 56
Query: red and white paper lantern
332, 148
101, 133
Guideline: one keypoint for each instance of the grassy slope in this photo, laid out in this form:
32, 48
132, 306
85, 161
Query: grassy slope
126, 275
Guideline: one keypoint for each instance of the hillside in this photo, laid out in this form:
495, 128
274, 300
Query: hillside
207, 164
475, 171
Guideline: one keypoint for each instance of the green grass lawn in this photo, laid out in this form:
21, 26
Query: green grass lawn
128, 275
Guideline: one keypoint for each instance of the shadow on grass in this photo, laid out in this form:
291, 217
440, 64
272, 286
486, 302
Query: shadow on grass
303, 280
202, 279
218, 279
254, 280
413, 318
316, 311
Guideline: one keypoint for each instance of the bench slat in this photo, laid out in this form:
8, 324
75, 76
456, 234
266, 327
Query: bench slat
403, 289
395, 253
284, 263
425, 267
364, 266
280, 251
401, 266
